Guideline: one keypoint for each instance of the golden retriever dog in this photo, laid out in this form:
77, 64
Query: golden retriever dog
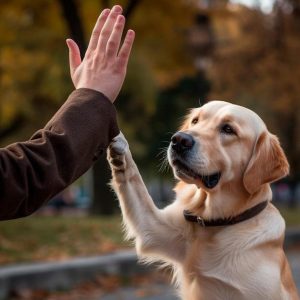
221, 235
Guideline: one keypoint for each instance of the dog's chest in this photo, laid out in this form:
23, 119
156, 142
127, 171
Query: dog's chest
226, 269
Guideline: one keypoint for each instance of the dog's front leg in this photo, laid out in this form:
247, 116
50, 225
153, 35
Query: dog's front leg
144, 222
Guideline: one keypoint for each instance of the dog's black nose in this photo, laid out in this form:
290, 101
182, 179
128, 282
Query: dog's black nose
181, 142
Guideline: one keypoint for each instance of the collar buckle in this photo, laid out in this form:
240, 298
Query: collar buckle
200, 221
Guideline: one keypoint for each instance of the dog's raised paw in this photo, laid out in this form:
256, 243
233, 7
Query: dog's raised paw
118, 146
117, 151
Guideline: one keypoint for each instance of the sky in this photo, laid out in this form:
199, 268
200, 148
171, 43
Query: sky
265, 5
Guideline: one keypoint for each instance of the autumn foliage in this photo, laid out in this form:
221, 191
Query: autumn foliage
184, 52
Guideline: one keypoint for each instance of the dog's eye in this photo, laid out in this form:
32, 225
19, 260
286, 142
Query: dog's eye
227, 129
195, 121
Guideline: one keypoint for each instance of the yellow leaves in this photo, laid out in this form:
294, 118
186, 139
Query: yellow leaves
8, 109
33, 62
33, 55
249, 64
161, 34
259, 67
6, 80
19, 64
20, 72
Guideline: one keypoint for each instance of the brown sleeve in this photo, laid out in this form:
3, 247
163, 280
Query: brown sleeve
32, 172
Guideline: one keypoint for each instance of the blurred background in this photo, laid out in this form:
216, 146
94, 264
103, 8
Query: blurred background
186, 53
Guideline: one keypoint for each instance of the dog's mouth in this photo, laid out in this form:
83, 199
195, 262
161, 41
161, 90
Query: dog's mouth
209, 181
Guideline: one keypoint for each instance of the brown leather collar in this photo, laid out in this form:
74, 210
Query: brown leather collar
249, 213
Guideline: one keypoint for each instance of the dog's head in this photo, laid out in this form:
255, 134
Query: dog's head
220, 143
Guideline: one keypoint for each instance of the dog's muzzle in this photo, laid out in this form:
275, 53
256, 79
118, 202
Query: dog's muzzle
181, 144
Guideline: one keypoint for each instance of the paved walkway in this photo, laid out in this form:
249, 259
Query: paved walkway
151, 292
165, 292
65, 275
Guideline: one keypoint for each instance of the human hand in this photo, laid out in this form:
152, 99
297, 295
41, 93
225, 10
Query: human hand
105, 63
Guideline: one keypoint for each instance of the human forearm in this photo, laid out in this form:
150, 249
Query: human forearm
34, 171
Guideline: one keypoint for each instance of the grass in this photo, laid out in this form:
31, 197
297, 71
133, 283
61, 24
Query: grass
56, 238
291, 216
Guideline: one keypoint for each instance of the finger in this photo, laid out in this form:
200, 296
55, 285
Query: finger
114, 41
97, 30
74, 55
125, 50
108, 27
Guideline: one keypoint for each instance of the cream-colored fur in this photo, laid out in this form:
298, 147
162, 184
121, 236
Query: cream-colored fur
244, 261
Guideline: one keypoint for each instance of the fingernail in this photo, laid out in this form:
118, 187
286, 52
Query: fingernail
121, 18
105, 12
130, 32
117, 8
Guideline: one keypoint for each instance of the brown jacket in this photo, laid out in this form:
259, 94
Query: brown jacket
32, 172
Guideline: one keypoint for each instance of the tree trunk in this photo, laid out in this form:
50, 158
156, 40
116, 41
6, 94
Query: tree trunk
71, 14
131, 6
103, 202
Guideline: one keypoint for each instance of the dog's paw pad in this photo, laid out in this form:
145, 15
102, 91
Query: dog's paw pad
119, 145
117, 162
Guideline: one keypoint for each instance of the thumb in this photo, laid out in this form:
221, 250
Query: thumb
74, 55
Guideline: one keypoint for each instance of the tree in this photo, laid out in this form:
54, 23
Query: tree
256, 64
34, 65
32, 81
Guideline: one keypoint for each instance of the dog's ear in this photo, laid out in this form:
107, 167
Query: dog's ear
267, 164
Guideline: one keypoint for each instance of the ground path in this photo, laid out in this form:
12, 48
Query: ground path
165, 292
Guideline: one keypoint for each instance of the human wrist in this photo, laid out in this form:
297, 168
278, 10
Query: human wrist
97, 89
100, 94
